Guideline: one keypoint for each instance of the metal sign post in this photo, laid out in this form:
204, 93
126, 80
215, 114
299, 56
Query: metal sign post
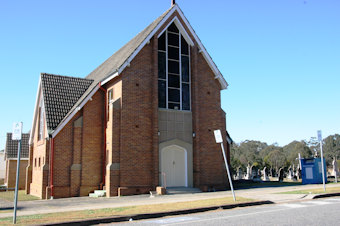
219, 139
16, 135
323, 167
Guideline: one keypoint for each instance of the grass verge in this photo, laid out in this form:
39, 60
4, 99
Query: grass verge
313, 191
122, 211
9, 196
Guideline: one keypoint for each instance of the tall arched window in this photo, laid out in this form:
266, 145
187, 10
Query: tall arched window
173, 70
41, 121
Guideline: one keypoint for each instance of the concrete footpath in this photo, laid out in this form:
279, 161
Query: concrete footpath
264, 195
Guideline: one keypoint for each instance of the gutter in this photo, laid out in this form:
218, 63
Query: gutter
51, 166
104, 128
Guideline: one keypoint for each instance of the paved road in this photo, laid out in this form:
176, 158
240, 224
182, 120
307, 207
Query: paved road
311, 212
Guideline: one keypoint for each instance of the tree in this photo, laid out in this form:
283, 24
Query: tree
276, 159
293, 149
331, 148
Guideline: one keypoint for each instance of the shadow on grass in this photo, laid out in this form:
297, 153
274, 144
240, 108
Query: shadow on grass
248, 184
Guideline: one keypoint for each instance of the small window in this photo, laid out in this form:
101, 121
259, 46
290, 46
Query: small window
173, 81
173, 28
173, 39
162, 93
161, 42
173, 53
174, 95
173, 67
41, 122
162, 65
185, 69
110, 95
35, 162
184, 47
39, 162
185, 96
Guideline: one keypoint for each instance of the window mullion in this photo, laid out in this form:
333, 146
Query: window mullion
189, 78
180, 72
166, 69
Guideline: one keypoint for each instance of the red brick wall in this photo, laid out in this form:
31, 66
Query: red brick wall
66, 148
39, 173
208, 116
92, 144
136, 158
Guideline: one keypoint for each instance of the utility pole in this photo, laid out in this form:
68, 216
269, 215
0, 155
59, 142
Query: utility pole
16, 135
322, 164
219, 139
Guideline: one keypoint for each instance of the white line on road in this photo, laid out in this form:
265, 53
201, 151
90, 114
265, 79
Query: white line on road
173, 220
226, 217
333, 199
293, 205
289, 205
319, 202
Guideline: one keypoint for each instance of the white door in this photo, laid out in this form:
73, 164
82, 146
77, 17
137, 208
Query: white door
174, 166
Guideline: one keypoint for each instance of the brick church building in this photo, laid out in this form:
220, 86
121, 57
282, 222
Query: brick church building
143, 118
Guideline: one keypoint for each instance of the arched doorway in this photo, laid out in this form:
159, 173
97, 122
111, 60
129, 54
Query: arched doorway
174, 165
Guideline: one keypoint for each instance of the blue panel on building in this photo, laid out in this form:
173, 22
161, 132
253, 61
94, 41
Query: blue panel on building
311, 172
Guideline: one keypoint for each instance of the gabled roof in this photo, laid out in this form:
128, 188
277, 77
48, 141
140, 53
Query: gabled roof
114, 65
60, 95
11, 148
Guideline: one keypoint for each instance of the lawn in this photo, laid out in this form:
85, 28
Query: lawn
314, 191
123, 211
9, 196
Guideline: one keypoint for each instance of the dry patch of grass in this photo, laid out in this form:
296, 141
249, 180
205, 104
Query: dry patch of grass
9, 196
314, 191
122, 211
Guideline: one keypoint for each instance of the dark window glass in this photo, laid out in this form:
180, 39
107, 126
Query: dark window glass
173, 28
173, 53
185, 69
174, 106
161, 42
174, 95
173, 67
185, 97
173, 81
184, 46
161, 94
173, 39
161, 65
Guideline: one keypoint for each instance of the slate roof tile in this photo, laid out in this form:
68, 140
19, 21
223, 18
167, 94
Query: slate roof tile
11, 148
60, 94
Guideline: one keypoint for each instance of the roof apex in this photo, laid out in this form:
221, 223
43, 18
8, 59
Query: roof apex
122, 58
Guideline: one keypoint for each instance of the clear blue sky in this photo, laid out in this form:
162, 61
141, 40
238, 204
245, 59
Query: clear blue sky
280, 58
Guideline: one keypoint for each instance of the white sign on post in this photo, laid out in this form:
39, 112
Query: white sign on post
218, 136
17, 130
319, 136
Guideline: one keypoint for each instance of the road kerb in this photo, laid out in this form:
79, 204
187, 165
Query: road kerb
159, 214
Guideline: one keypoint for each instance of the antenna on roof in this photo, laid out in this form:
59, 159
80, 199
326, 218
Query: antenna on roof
173, 2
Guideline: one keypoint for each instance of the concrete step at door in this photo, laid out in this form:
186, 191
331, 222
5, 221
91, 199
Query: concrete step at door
98, 193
